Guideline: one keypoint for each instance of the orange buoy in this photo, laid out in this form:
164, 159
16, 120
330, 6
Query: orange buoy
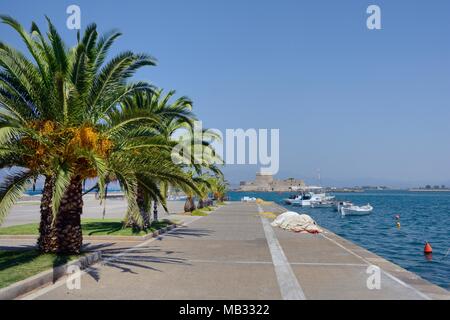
427, 248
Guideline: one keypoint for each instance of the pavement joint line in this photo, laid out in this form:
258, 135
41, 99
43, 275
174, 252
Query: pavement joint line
423, 295
328, 264
229, 262
290, 288
62, 280
325, 264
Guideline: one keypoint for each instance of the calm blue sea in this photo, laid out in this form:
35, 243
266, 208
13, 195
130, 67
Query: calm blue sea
424, 216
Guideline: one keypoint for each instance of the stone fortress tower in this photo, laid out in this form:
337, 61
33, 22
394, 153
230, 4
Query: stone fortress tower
266, 182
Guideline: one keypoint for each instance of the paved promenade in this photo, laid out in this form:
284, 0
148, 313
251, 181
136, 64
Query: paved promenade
234, 253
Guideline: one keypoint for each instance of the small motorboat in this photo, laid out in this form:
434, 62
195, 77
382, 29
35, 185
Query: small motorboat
356, 210
322, 204
248, 199
311, 197
295, 199
305, 199
339, 204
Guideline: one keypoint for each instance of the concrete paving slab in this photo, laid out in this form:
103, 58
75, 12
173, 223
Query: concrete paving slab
175, 280
312, 248
345, 282
216, 250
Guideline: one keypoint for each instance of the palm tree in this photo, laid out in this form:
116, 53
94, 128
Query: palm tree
53, 112
173, 116
151, 185
220, 189
139, 175
207, 184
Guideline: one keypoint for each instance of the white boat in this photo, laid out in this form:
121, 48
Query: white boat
339, 204
176, 198
305, 199
356, 210
248, 199
322, 204
311, 198
294, 199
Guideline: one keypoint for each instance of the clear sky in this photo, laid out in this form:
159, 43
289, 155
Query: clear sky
363, 106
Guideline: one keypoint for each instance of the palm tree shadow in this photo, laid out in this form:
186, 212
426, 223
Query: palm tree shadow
130, 259
184, 232
91, 247
142, 258
94, 273
15, 257
23, 247
93, 228
59, 261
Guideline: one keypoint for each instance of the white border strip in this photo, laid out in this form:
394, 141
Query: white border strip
287, 281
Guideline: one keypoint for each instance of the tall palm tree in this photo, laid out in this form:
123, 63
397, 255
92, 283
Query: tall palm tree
153, 136
196, 167
53, 111
146, 168
219, 189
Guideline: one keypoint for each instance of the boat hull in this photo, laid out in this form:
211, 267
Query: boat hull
292, 201
322, 205
356, 211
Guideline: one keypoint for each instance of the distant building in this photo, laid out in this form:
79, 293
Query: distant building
266, 182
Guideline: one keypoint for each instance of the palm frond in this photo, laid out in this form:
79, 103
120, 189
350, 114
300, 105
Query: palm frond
61, 182
12, 190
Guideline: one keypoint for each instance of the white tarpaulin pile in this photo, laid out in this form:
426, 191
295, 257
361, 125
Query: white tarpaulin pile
296, 222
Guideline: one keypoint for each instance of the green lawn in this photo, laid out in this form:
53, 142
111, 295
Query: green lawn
90, 227
198, 213
19, 265
202, 212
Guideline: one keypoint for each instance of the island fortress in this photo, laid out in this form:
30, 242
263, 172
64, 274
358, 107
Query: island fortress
266, 182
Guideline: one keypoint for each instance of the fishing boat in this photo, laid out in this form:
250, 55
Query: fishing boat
295, 199
176, 198
339, 204
356, 210
310, 198
305, 199
322, 204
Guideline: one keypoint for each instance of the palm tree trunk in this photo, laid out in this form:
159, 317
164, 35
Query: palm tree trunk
155, 211
47, 237
131, 220
201, 204
189, 205
69, 237
143, 208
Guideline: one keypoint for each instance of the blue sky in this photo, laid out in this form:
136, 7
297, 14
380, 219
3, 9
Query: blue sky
363, 106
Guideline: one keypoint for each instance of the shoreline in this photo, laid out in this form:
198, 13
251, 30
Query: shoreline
428, 190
